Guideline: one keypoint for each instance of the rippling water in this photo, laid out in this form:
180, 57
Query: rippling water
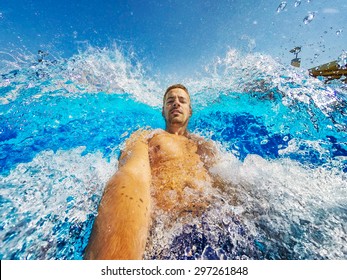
282, 134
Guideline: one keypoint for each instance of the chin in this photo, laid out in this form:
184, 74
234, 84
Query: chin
175, 121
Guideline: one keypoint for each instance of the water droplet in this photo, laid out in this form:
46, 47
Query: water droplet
209, 253
285, 138
309, 17
297, 3
226, 221
281, 6
188, 252
342, 60
316, 55
338, 32
75, 33
264, 142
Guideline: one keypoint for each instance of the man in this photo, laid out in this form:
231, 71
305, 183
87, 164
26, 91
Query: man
158, 171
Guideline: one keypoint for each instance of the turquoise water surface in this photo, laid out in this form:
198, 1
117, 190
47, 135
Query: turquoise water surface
282, 133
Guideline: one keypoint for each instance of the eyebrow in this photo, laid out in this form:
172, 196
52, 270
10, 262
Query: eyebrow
180, 97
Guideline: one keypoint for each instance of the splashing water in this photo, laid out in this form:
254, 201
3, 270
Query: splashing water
342, 60
51, 196
95, 70
297, 3
281, 6
309, 17
281, 134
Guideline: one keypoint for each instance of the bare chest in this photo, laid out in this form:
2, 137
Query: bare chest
165, 147
178, 175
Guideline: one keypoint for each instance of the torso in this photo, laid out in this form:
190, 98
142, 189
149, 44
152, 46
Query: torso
179, 176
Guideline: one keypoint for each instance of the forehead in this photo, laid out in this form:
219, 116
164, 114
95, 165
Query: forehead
177, 92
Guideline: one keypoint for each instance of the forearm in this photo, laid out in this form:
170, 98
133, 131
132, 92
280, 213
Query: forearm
121, 228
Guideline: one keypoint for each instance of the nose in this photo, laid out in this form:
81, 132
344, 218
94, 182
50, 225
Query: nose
176, 103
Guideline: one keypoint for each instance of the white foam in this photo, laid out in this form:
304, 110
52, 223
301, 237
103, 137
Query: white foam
282, 192
281, 202
94, 70
51, 189
257, 72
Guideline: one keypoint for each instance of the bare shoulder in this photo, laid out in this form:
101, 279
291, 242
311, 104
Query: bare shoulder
135, 147
141, 135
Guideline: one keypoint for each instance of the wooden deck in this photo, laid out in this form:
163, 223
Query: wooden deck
330, 71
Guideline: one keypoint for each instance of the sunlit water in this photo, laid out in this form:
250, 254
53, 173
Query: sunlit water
282, 135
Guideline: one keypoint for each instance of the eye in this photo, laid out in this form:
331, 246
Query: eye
183, 101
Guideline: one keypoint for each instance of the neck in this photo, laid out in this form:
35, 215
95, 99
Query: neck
177, 130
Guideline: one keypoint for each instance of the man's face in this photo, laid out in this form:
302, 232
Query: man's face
176, 107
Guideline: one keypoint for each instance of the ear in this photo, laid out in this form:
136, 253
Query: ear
191, 110
162, 112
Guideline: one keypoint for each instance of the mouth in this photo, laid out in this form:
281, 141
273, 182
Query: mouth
176, 111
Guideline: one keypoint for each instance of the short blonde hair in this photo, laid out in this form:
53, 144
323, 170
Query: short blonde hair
175, 86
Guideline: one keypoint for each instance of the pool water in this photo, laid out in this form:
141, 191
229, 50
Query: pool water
282, 134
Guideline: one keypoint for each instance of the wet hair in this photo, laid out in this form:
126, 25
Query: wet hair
181, 87
173, 87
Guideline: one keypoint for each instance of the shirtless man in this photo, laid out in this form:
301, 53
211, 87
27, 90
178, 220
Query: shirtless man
166, 170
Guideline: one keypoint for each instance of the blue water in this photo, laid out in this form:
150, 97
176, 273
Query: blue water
281, 132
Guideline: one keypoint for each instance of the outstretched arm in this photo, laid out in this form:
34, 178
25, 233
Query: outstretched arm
121, 227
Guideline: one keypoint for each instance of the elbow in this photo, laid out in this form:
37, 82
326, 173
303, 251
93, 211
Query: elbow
141, 174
